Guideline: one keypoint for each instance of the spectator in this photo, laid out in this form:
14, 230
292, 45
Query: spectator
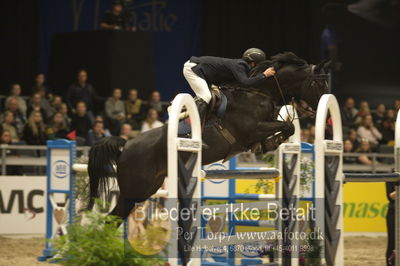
126, 131
8, 124
55, 103
97, 133
57, 129
115, 111
44, 102
348, 148
379, 114
365, 147
353, 137
36, 105
99, 118
64, 111
349, 113
15, 93
156, 104
364, 111
34, 131
396, 105
305, 135
19, 117
390, 113
39, 85
5, 138
80, 122
134, 112
116, 19
368, 131
387, 130
151, 121
82, 91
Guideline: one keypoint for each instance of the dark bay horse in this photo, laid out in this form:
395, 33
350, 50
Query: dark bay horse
249, 118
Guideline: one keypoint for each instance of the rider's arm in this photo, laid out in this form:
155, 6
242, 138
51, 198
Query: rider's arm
240, 75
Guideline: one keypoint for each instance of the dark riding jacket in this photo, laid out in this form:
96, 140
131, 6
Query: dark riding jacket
218, 70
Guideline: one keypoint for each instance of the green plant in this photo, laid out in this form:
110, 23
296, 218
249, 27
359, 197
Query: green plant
306, 175
98, 242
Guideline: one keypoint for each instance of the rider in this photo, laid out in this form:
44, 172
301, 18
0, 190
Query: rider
202, 72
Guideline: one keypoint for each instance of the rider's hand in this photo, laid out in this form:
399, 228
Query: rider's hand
269, 72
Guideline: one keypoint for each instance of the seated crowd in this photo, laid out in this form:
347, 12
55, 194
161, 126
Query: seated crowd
46, 116
364, 130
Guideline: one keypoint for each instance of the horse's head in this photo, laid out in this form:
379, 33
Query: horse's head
297, 79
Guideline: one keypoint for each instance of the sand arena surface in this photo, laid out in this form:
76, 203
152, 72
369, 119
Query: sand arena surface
359, 250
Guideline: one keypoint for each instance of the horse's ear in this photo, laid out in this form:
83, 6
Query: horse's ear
317, 69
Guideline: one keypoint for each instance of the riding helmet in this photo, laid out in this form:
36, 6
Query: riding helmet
254, 55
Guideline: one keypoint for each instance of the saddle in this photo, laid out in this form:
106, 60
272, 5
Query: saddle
218, 103
216, 111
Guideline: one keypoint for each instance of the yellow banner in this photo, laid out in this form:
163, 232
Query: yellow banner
364, 207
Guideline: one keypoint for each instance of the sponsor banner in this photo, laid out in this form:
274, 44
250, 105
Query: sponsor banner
364, 207
22, 204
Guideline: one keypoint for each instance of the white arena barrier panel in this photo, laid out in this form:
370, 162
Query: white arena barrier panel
184, 182
329, 180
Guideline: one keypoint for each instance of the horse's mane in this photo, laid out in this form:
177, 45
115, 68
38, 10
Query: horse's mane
278, 61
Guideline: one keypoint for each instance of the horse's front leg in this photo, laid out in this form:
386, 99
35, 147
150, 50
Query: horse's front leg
273, 134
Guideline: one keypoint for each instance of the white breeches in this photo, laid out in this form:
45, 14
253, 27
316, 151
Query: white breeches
198, 85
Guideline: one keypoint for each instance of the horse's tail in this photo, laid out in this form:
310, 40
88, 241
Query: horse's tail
103, 157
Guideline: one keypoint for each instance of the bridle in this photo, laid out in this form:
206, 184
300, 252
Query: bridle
308, 82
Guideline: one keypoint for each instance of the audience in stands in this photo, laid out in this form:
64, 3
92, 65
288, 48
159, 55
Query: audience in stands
57, 128
19, 117
5, 138
15, 93
64, 111
349, 113
151, 121
387, 130
81, 122
115, 111
36, 105
348, 148
40, 86
96, 133
8, 124
51, 118
362, 112
368, 131
353, 137
365, 147
126, 131
379, 114
134, 109
82, 91
34, 130
156, 104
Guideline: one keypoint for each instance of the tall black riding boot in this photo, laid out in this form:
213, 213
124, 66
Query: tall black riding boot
202, 107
